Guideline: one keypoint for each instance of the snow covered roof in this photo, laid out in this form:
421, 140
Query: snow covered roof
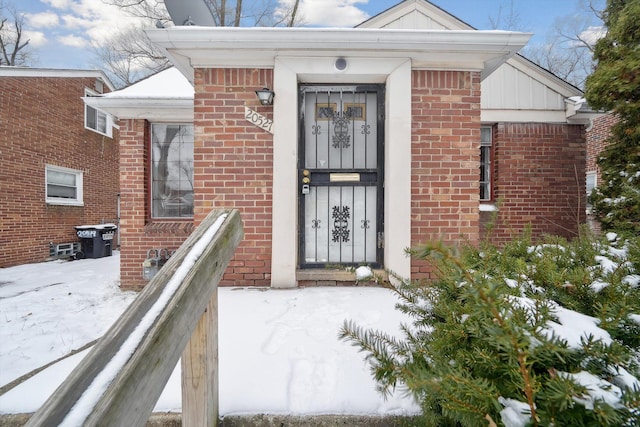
166, 95
169, 83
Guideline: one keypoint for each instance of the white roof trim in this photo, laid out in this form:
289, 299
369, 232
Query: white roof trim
522, 116
6, 71
429, 9
150, 108
579, 111
444, 18
191, 47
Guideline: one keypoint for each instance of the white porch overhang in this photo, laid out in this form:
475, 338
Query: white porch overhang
153, 109
191, 47
308, 55
165, 96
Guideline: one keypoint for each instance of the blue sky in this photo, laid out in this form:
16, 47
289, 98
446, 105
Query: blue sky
61, 31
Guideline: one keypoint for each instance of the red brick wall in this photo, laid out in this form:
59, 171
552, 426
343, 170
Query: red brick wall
597, 139
539, 172
233, 168
597, 136
42, 123
445, 146
539, 179
234, 164
139, 235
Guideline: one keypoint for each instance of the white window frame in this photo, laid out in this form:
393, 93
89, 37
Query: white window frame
100, 116
53, 200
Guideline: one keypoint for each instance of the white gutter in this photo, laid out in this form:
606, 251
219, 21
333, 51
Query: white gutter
579, 112
192, 47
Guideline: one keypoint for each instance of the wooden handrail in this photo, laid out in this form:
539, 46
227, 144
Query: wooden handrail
119, 382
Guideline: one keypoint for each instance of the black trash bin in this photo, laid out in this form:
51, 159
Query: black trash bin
95, 240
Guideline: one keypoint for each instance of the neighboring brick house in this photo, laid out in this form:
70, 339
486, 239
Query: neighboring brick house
598, 134
597, 139
58, 161
411, 127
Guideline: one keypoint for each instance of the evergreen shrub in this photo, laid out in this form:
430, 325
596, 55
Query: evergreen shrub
531, 334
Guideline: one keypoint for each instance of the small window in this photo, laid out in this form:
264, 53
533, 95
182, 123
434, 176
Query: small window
485, 164
63, 186
592, 182
95, 119
171, 170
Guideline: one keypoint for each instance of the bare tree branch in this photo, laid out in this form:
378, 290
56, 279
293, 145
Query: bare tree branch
13, 47
568, 52
129, 55
294, 14
507, 18
154, 10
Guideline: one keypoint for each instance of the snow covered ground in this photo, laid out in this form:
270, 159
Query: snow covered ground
279, 351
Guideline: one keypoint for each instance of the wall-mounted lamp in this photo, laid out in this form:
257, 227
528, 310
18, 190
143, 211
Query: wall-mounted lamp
265, 96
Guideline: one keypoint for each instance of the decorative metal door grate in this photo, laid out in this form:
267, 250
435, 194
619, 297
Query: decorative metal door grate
341, 175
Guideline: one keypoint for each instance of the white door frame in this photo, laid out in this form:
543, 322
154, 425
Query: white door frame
395, 73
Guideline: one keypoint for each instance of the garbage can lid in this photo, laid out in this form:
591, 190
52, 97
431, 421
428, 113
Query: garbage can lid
104, 227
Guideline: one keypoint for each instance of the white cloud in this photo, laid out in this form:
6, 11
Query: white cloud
40, 20
73, 41
58, 4
36, 38
592, 34
87, 22
73, 22
334, 13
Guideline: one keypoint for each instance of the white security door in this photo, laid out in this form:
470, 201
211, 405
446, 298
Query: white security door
340, 175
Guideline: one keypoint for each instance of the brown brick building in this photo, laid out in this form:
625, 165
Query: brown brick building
58, 161
597, 139
412, 127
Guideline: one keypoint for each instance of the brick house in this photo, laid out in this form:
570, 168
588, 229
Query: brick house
58, 161
411, 127
598, 134
597, 139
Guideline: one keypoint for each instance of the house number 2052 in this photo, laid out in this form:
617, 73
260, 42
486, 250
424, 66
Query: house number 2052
258, 120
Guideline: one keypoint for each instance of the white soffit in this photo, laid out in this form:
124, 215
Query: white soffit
149, 108
192, 47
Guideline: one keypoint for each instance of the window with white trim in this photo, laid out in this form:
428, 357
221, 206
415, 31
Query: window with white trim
96, 120
485, 163
171, 170
63, 186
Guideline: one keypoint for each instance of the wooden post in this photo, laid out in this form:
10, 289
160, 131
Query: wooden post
200, 371
118, 383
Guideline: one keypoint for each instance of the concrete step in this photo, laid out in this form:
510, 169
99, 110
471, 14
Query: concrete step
261, 420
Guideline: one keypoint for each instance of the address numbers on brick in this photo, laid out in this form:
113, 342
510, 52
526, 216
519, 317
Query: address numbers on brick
258, 119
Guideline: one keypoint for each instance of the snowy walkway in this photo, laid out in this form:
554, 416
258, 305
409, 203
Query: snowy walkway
279, 351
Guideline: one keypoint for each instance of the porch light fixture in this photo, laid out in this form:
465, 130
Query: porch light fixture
265, 96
